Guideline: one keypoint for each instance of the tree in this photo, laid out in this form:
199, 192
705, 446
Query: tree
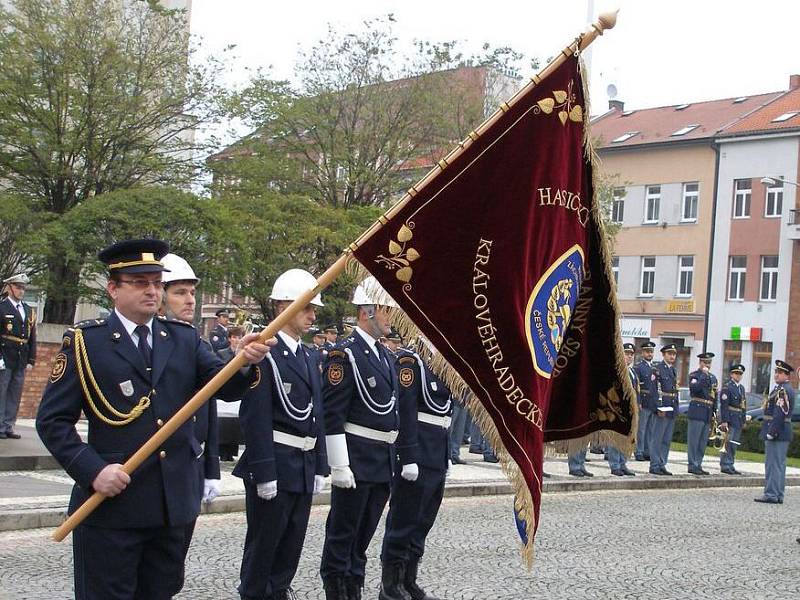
17, 223
95, 96
364, 120
198, 229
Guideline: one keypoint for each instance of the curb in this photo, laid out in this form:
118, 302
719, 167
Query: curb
28, 463
11, 520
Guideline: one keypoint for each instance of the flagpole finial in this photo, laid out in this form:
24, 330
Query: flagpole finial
607, 20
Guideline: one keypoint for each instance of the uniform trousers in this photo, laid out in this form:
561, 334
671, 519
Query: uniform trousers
726, 458
276, 530
660, 441
412, 512
577, 461
457, 427
696, 442
644, 432
616, 459
775, 469
124, 564
11, 381
351, 523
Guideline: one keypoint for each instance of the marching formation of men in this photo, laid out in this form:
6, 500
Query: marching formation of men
361, 409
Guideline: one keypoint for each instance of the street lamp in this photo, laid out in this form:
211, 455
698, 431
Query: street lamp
775, 180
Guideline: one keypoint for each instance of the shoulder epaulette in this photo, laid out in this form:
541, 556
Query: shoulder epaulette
166, 320
89, 323
336, 354
407, 360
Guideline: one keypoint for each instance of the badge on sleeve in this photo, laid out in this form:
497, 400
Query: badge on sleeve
371, 381
59, 366
406, 376
287, 387
335, 374
434, 387
127, 388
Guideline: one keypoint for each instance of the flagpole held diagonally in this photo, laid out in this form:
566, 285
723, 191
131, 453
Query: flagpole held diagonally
604, 22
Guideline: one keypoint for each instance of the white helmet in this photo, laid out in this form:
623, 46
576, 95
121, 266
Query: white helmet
294, 283
370, 291
178, 269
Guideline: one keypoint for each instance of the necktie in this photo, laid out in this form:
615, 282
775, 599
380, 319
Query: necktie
144, 347
301, 357
382, 359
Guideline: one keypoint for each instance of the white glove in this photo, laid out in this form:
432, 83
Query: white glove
342, 477
28, 367
210, 489
319, 484
770, 437
2, 364
410, 472
268, 490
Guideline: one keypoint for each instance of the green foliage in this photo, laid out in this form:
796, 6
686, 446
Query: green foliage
749, 438
17, 223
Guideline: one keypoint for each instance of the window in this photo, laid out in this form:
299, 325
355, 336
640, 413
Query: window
624, 137
691, 195
760, 377
741, 198
773, 207
769, 278
738, 271
732, 351
652, 203
684, 130
685, 275
618, 205
648, 276
784, 117
615, 268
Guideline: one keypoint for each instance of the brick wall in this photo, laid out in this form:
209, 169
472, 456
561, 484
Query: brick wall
793, 326
47, 346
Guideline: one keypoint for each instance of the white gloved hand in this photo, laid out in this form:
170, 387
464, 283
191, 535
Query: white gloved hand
342, 477
770, 437
410, 472
268, 490
210, 489
28, 367
319, 484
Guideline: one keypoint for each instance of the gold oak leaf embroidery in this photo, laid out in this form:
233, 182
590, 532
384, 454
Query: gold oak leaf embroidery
401, 255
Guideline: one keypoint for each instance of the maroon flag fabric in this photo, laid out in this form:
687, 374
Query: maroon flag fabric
500, 262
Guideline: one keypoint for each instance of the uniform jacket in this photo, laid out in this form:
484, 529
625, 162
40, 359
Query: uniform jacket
667, 380
370, 460
778, 414
422, 443
219, 337
164, 489
17, 336
703, 392
262, 411
648, 388
732, 403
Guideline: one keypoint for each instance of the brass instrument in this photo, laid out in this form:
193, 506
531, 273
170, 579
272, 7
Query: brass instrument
242, 319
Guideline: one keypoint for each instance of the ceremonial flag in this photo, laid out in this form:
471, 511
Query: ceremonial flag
501, 261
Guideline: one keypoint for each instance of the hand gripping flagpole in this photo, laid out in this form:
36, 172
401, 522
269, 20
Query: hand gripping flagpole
604, 22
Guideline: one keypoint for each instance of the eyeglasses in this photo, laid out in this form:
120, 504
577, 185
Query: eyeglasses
143, 284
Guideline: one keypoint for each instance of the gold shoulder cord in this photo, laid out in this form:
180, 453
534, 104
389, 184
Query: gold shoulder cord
81, 363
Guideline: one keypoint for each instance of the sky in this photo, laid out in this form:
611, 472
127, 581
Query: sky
660, 53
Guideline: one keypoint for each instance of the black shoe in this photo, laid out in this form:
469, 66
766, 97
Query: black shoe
392, 578
766, 500
576, 473
655, 472
704, 472
639, 458
628, 472
335, 588
13, 435
587, 473
354, 586
490, 459
410, 582
284, 595
474, 450
457, 460
735, 472
663, 471
3, 435
728, 471
695, 471
546, 475
617, 472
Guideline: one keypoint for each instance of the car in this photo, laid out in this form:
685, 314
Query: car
757, 414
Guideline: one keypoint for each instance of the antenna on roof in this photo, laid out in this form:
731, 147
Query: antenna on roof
611, 90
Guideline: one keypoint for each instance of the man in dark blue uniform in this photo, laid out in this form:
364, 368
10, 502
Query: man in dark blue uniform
316, 348
219, 334
732, 411
284, 462
17, 351
394, 343
647, 399
666, 410
702, 406
361, 423
776, 432
129, 374
426, 406
616, 459
331, 337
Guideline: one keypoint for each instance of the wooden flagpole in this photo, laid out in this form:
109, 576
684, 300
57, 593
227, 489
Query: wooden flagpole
604, 22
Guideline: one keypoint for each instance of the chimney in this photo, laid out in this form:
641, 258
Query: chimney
794, 82
620, 105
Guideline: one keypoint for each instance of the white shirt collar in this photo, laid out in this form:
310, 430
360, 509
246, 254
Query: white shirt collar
289, 341
369, 339
130, 325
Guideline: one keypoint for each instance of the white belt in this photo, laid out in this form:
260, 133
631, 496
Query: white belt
443, 422
372, 434
295, 441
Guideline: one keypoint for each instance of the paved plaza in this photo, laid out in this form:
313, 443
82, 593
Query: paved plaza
660, 544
